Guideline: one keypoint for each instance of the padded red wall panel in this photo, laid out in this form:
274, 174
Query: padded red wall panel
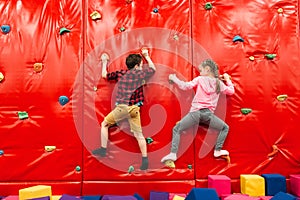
179, 34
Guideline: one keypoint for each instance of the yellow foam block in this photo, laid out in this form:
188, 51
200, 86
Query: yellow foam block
252, 184
176, 197
56, 197
35, 192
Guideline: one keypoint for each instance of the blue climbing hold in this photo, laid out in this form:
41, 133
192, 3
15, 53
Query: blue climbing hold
5, 29
63, 100
155, 10
238, 38
1, 152
64, 30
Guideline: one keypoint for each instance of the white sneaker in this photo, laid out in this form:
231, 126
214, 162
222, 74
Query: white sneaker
170, 156
221, 153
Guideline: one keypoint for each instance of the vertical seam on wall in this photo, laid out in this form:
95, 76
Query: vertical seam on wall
83, 50
192, 72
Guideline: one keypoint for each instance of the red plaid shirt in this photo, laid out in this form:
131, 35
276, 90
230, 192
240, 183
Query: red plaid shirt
130, 85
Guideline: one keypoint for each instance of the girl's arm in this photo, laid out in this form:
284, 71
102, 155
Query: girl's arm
182, 84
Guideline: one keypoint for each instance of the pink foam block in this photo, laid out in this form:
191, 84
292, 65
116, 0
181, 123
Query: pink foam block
295, 184
240, 197
265, 197
11, 197
221, 183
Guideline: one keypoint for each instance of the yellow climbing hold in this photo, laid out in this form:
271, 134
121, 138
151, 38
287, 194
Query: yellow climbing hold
280, 10
251, 58
1, 76
170, 163
95, 15
38, 67
50, 148
282, 97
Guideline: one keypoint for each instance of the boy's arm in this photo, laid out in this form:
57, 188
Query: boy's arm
104, 60
145, 53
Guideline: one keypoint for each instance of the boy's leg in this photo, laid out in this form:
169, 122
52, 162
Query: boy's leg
136, 127
186, 122
117, 114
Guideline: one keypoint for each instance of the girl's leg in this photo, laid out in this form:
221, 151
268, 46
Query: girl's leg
223, 128
186, 122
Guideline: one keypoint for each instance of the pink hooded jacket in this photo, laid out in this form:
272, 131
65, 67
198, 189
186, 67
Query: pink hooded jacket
206, 96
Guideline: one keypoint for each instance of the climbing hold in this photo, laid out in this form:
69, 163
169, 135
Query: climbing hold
122, 29
246, 111
208, 6
22, 115
149, 140
270, 56
1, 152
130, 169
38, 67
237, 38
128, 1
1, 76
251, 58
50, 148
280, 10
282, 97
190, 166
170, 163
95, 15
155, 10
78, 168
63, 100
63, 30
176, 37
95, 88
5, 29
274, 151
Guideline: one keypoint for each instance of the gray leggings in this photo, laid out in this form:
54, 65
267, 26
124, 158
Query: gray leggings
203, 116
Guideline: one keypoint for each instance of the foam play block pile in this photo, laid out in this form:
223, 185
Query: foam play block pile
274, 183
221, 183
252, 184
295, 184
34, 192
202, 194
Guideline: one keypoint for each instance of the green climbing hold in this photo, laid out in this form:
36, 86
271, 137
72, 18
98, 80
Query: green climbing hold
246, 111
190, 166
63, 30
208, 6
122, 29
22, 115
149, 140
270, 56
130, 169
78, 168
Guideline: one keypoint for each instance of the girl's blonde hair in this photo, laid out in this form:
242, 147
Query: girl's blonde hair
214, 69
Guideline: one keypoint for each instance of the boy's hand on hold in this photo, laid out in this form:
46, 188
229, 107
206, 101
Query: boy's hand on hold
172, 77
145, 52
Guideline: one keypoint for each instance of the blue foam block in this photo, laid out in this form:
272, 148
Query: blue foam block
159, 195
117, 197
137, 196
202, 194
68, 197
91, 197
274, 183
283, 196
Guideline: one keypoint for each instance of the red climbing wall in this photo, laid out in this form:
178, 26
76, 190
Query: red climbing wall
64, 103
